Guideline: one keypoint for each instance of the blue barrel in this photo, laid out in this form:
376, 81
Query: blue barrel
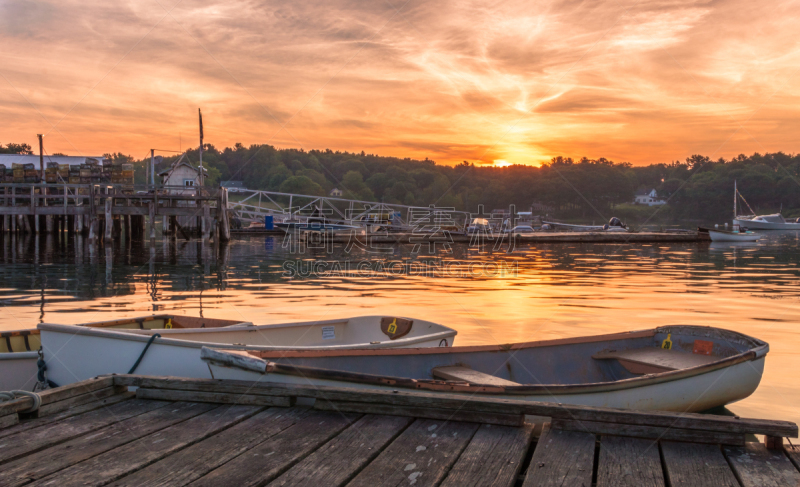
268, 222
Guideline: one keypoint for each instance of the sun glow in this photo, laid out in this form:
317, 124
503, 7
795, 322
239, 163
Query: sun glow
501, 163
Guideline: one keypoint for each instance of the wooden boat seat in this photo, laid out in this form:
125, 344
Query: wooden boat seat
653, 360
465, 374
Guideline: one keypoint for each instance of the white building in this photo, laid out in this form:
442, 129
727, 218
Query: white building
649, 198
335, 193
181, 173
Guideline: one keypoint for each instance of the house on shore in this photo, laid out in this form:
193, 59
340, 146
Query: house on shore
182, 173
649, 198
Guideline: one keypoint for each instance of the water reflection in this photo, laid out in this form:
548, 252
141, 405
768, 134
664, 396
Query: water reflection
535, 292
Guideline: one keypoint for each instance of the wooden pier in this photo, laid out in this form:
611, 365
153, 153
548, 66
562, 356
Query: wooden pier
108, 211
174, 431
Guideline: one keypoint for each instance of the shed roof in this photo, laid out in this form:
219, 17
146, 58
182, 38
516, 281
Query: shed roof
179, 163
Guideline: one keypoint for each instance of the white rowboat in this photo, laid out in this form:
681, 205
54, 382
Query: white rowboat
75, 353
703, 368
725, 236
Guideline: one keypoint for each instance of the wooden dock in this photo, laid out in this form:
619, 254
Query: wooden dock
173, 431
109, 211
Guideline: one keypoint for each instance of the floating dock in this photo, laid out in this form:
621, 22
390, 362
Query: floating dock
174, 431
535, 238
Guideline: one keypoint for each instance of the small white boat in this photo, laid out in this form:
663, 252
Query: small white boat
776, 221
18, 348
766, 222
75, 353
673, 368
613, 225
735, 236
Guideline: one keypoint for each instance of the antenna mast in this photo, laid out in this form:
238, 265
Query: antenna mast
201, 145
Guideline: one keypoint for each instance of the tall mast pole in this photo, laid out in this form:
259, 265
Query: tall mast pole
41, 156
200, 115
152, 167
735, 198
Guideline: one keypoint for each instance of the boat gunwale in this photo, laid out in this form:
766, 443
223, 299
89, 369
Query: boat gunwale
757, 351
26, 355
457, 349
165, 340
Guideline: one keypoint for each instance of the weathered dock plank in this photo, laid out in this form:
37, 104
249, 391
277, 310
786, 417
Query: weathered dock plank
428, 413
340, 459
63, 455
9, 420
72, 411
629, 462
114, 464
494, 457
27, 442
653, 432
214, 397
79, 400
754, 465
58, 394
197, 460
793, 452
422, 455
696, 465
271, 458
562, 458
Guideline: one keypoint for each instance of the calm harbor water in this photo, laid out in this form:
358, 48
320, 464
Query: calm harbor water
535, 292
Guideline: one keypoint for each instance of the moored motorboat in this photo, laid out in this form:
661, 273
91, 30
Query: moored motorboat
775, 221
672, 368
766, 222
75, 353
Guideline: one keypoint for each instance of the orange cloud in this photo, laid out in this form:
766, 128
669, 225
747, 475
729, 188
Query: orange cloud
452, 81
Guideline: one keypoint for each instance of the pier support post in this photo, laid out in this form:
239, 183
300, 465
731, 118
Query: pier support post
26, 223
93, 230
152, 221
48, 223
204, 227
225, 230
109, 222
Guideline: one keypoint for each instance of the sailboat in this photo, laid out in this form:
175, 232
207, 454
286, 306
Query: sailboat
775, 221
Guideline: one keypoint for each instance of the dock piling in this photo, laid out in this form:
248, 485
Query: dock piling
109, 223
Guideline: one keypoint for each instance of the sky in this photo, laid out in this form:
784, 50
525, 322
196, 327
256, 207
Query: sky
487, 82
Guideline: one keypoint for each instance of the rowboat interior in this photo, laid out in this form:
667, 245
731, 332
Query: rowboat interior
554, 368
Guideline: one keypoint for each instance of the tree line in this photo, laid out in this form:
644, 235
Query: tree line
697, 188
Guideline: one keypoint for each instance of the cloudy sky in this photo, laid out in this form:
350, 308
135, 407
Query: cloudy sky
478, 81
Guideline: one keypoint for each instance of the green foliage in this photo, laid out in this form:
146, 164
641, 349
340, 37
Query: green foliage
580, 189
12, 148
301, 185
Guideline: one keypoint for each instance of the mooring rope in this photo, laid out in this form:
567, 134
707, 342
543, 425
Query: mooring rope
149, 342
7, 396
